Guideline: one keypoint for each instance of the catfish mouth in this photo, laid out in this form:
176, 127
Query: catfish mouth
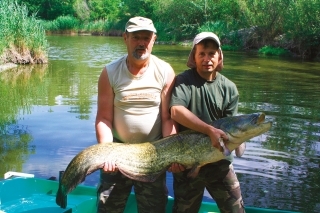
261, 119
256, 125
256, 120
262, 122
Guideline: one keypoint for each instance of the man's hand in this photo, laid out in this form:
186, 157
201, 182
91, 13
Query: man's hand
110, 166
176, 167
215, 135
218, 137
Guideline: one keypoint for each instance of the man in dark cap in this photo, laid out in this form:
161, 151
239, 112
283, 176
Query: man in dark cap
201, 95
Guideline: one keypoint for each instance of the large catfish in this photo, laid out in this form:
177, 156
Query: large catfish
146, 161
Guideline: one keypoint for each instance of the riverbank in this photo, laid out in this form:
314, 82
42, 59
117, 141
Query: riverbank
251, 42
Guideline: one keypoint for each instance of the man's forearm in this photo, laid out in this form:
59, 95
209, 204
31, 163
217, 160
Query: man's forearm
186, 118
169, 127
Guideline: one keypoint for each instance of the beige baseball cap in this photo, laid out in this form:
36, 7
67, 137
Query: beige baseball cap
201, 36
140, 23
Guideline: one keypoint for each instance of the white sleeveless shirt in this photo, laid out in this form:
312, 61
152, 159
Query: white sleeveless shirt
137, 100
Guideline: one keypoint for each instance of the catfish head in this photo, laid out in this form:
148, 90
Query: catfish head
242, 128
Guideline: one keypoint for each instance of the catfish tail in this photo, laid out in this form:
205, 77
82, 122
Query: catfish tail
61, 198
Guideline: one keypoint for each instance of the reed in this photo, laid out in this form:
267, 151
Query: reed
98, 27
22, 37
69, 24
62, 24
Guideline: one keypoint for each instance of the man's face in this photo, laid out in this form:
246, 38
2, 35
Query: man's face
140, 43
206, 57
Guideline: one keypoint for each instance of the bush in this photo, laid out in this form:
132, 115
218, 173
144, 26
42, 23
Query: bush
66, 23
274, 51
303, 28
24, 36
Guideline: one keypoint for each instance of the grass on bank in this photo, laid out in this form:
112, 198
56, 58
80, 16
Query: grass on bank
72, 25
22, 37
273, 51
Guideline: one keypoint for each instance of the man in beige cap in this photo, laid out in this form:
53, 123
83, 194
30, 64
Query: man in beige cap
200, 96
133, 107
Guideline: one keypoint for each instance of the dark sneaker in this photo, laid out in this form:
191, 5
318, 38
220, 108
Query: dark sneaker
240, 150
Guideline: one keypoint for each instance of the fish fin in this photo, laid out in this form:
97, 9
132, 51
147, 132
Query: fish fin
143, 178
194, 171
61, 197
226, 151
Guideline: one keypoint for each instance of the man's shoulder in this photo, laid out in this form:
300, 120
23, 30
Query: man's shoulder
158, 60
227, 84
114, 65
186, 74
121, 58
161, 67
225, 80
116, 61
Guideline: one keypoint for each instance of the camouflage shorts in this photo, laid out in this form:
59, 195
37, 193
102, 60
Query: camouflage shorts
220, 181
114, 190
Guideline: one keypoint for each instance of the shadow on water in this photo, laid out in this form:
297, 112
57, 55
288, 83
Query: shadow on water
47, 116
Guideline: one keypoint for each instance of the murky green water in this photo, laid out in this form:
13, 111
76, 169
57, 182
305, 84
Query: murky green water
47, 116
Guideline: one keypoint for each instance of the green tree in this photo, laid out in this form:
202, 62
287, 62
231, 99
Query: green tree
291, 24
105, 9
268, 15
302, 26
82, 10
180, 19
138, 8
50, 9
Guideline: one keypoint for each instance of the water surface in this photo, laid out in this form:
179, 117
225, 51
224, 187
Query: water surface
47, 115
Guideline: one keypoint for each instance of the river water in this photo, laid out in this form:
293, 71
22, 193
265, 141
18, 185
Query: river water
47, 115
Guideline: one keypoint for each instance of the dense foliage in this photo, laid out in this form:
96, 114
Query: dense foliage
247, 24
22, 37
49, 9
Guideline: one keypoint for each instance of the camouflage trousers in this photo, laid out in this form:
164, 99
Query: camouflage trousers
115, 188
220, 181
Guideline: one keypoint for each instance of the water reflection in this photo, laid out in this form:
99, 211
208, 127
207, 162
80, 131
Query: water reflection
17, 87
47, 116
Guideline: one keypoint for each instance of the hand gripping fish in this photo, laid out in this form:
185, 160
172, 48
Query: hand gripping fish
146, 161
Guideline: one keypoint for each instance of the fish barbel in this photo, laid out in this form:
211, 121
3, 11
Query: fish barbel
146, 161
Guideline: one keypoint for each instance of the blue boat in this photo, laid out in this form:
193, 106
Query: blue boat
23, 193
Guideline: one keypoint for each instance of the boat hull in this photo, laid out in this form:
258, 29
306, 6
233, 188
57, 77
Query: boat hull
35, 195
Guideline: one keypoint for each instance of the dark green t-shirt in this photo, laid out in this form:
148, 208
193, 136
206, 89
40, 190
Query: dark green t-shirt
209, 100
